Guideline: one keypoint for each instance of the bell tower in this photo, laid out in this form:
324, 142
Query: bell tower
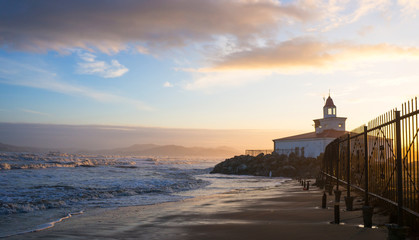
329, 109
330, 121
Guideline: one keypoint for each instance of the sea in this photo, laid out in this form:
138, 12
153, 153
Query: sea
39, 190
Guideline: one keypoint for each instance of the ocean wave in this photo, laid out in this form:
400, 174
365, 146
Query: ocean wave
40, 197
44, 226
11, 161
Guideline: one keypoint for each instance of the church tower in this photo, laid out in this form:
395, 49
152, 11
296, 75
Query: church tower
329, 109
330, 121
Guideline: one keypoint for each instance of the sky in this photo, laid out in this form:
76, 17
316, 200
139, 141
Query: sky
218, 65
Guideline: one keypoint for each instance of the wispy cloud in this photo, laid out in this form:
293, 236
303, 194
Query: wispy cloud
167, 85
34, 77
65, 88
335, 14
34, 112
208, 81
100, 68
410, 8
392, 82
366, 30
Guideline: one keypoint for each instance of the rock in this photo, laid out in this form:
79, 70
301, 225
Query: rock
279, 165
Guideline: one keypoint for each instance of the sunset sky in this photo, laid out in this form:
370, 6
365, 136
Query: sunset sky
205, 64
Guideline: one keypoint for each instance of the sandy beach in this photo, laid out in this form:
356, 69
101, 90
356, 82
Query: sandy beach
282, 212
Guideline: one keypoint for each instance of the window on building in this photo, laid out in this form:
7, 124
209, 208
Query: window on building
329, 111
334, 111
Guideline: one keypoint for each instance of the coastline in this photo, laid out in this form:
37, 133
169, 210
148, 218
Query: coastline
284, 211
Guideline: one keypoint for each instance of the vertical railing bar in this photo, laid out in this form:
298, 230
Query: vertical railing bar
395, 156
415, 163
402, 143
348, 166
408, 163
412, 156
337, 168
383, 161
388, 153
386, 162
411, 161
372, 162
379, 140
411, 168
379, 162
405, 159
366, 164
374, 181
399, 172
405, 155
390, 162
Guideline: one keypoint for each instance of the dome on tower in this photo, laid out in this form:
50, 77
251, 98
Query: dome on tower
329, 102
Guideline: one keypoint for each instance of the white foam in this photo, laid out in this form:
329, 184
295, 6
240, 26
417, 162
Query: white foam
45, 225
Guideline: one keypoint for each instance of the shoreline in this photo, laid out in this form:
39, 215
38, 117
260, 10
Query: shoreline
285, 211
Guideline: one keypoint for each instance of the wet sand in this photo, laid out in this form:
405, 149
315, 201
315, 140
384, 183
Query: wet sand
282, 212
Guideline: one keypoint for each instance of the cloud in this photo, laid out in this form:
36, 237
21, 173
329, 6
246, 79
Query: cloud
30, 76
111, 26
365, 30
167, 84
65, 88
296, 56
211, 80
392, 82
409, 7
304, 54
100, 68
34, 112
335, 14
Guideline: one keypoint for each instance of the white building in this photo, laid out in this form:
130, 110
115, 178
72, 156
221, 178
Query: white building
312, 144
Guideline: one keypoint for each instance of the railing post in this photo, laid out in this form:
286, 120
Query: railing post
337, 192
399, 171
348, 165
367, 210
348, 199
337, 168
331, 170
366, 165
398, 231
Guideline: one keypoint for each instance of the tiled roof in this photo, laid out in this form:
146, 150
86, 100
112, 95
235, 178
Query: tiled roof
329, 133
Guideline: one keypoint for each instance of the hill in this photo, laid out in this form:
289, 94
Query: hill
12, 148
172, 150
138, 149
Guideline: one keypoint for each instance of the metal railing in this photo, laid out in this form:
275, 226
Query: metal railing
254, 153
381, 159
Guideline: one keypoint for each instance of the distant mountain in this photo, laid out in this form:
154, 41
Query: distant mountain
172, 150
12, 148
139, 149
131, 149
